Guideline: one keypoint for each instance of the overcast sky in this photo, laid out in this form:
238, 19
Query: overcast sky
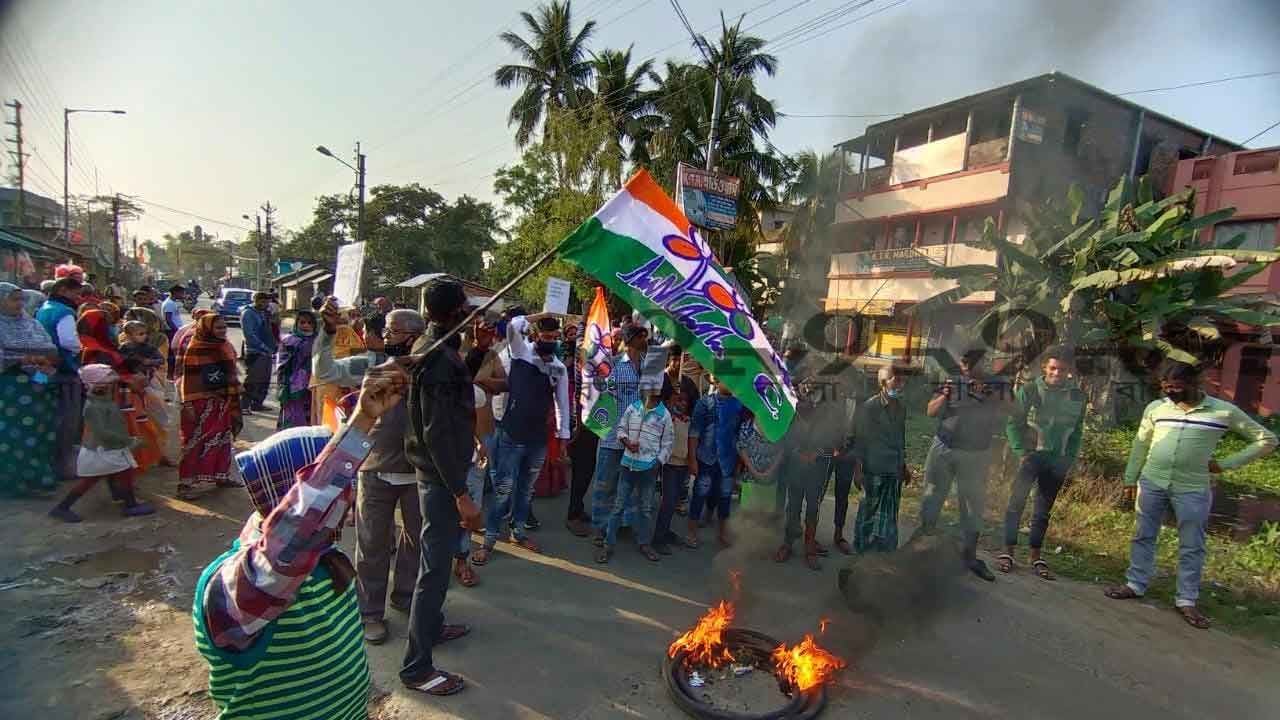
227, 100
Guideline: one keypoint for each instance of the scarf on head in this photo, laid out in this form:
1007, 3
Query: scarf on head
32, 300
96, 344
294, 355
208, 365
20, 334
155, 331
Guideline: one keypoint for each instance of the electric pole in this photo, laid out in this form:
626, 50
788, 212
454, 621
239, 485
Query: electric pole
115, 235
360, 183
264, 242
19, 158
715, 117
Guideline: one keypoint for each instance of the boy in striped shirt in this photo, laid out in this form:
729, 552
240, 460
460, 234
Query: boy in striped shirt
647, 435
1172, 465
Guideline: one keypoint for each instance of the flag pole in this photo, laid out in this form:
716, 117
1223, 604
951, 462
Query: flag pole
546, 257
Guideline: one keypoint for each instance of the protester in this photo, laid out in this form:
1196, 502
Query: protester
276, 615
376, 323
711, 464
105, 452
805, 471
583, 442
537, 388
647, 436
334, 341
293, 372
675, 471
761, 460
58, 318
259, 348
1044, 431
1171, 467
210, 392
880, 464
28, 426
489, 379
171, 310
624, 385
969, 409
439, 447
387, 481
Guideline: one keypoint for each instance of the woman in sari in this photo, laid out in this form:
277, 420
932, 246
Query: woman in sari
293, 372
28, 405
210, 393
98, 346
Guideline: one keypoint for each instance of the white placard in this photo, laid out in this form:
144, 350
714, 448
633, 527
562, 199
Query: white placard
346, 278
557, 300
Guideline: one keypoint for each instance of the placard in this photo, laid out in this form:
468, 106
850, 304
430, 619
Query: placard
346, 278
557, 299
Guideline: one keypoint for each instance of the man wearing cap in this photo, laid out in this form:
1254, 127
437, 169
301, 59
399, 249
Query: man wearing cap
439, 446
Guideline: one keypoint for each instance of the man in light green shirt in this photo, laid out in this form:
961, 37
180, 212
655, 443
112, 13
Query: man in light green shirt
1172, 465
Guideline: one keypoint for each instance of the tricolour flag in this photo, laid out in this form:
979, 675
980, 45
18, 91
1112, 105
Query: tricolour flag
600, 410
644, 249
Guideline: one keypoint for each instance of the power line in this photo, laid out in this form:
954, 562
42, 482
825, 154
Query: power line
215, 221
797, 41
1203, 82
1266, 130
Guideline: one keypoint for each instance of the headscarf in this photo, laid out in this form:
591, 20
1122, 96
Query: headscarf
294, 355
155, 331
182, 339
32, 300
97, 374
208, 365
96, 345
20, 334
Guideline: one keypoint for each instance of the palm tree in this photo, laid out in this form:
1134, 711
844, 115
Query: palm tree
556, 66
737, 55
620, 91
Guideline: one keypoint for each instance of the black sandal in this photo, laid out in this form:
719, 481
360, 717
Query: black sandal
1004, 563
439, 684
1121, 592
1042, 570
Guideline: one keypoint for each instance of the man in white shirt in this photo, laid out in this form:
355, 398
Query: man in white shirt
538, 385
171, 310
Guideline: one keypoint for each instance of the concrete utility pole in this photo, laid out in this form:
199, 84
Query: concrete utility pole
360, 183
20, 160
715, 117
115, 236
264, 242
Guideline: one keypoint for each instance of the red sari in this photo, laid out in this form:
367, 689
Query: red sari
210, 391
94, 328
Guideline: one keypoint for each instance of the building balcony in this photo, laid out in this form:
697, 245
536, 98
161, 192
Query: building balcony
873, 281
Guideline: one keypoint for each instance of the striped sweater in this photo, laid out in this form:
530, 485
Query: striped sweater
1174, 446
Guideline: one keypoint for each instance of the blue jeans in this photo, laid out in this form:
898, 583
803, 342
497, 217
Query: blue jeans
710, 476
517, 465
1191, 509
475, 488
604, 486
640, 482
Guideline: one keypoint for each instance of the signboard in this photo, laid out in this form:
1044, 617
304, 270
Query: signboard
1030, 126
557, 299
346, 278
708, 199
653, 369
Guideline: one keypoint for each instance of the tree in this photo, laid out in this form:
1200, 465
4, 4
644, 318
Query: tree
813, 188
555, 66
629, 107
1135, 283
333, 222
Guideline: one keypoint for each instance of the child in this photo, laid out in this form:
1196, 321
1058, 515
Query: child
140, 356
761, 460
105, 452
647, 435
675, 473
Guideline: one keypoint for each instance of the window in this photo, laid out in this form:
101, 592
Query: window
1267, 161
1258, 234
1077, 120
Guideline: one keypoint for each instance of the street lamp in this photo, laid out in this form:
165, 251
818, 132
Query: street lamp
257, 245
66, 163
358, 169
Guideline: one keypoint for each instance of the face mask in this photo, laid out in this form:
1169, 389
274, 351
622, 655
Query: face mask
893, 392
398, 349
546, 348
1178, 396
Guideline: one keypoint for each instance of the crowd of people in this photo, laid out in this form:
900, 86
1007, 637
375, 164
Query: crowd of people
455, 428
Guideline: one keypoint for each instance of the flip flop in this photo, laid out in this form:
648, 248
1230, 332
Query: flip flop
603, 555
481, 556
843, 546
466, 575
1004, 563
439, 684
452, 632
1194, 617
649, 553
1121, 592
1043, 571
691, 542
528, 544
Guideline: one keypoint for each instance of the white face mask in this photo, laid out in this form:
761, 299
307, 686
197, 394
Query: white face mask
892, 392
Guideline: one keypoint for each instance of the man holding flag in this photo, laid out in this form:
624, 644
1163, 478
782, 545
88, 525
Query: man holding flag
595, 362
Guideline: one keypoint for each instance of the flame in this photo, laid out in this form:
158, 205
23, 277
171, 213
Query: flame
705, 642
805, 666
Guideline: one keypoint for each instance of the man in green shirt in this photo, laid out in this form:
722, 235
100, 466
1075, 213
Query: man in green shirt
1172, 465
1044, 431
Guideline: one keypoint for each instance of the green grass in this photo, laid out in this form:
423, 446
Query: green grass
1091, 528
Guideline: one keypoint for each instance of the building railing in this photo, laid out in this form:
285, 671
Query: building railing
979, 155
